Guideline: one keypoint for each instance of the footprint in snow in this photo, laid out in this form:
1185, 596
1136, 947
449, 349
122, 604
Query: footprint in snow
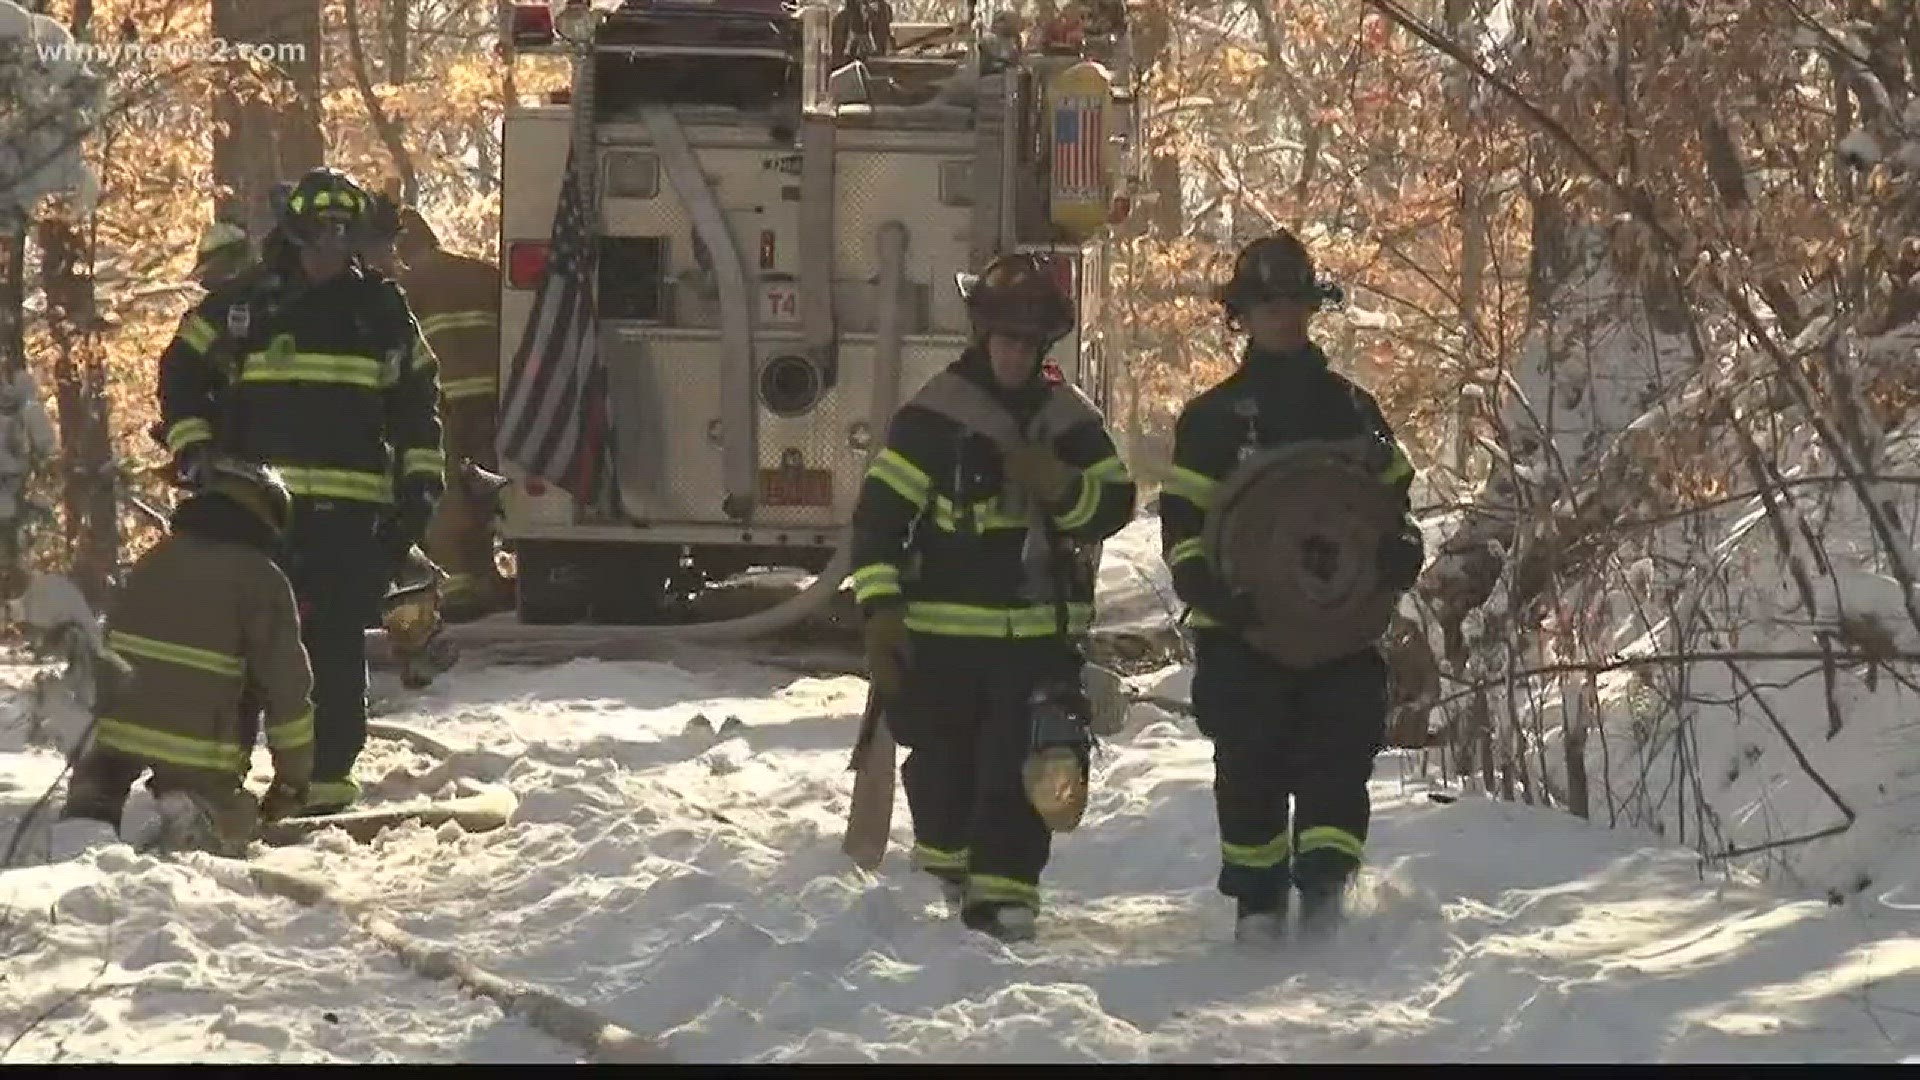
700, 729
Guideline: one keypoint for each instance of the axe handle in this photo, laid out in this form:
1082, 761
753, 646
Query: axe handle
869, 726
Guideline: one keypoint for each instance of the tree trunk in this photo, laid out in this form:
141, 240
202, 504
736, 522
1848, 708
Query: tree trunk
13, 292
275, 137
397, 41
1473, 240
80, 387
1577, 700
383, 125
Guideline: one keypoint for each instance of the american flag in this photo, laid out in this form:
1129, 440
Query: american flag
1079, 138
554, 419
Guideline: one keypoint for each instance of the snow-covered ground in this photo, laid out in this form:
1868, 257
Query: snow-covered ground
691, 888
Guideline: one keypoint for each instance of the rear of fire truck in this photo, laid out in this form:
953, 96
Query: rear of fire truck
777, 237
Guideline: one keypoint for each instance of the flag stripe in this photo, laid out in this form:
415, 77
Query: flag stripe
554, 421
1080, 137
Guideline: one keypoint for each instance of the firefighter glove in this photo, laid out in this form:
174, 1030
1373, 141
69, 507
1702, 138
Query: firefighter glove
1038, 471
886, 640
414, 503
1400, 559
282, 800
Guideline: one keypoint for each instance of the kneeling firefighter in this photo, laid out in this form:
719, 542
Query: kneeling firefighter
974, 550
205, 620
1289, 471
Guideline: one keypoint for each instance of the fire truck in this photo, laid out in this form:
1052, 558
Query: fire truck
778, 223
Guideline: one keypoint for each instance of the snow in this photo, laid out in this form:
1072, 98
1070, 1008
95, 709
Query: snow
690, 887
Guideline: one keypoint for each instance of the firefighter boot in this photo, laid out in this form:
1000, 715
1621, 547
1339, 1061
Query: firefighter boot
1322, 910
185, 824
1006, 921
1261, 925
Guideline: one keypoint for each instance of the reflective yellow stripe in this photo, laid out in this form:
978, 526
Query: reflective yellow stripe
1083, 508
987, 515
336, 483
1258, 856
456, 389
293, 734
894, 470
927, 857
1200, 620
167, 747
1193, 547
1194, 487
877, 580
1109, 470
968, 620
448, 321
1003, 889
167, 652
187, 432
1328, 836
432, 462
336, 368
348, 200
333, 792
196, 333
1399, 470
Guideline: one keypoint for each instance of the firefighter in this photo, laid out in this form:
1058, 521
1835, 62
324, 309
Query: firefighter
457, 300
204, 617
974, 541
1278, 733
317, 367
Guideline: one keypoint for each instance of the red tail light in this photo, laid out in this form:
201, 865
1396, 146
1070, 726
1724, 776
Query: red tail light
526, 263
532, 24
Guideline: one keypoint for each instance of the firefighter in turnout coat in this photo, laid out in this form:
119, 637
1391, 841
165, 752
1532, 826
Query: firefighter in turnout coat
204, 618
318, 368
457, 300
974, 545
1306, 734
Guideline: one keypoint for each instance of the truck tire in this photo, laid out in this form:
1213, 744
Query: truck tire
630, 583
553, 583
567, 582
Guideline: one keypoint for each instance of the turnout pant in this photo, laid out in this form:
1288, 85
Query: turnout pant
1280, 734
339, 570
460, 539
103, 777
963, 716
